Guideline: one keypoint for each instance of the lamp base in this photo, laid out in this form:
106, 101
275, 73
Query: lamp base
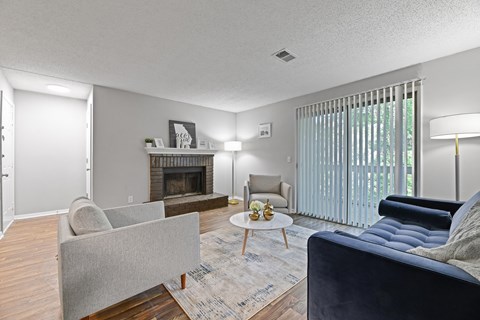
233, 201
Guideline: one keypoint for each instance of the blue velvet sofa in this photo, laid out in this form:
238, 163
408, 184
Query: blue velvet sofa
373, 277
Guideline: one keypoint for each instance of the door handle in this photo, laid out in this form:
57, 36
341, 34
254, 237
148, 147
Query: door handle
88, 169
5, 175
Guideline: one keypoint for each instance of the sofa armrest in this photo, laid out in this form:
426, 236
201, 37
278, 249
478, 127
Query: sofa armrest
128, 215
246, 195
100, 269
433, 217
352, 279
450, 206
286, 192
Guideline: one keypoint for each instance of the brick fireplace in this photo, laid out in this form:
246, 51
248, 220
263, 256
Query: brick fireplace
179, 175
183, 180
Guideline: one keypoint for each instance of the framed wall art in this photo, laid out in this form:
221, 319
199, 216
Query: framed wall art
265, 130
182, 134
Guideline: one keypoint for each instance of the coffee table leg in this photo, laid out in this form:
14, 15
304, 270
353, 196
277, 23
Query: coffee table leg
285, 237
245, 241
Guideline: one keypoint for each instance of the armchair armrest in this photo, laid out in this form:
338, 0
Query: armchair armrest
128, 215
100, 269
246, 195
434, 217
352, 279
450, 206
286, 192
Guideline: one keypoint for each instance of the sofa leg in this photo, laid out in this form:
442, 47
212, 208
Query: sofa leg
183, 277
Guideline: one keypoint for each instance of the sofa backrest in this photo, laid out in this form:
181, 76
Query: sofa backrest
462, 212
264, 183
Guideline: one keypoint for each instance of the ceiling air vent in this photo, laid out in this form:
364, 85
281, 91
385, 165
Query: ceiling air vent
284, 55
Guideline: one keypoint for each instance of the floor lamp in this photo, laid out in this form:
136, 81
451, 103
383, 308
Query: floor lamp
456, 127
233, 146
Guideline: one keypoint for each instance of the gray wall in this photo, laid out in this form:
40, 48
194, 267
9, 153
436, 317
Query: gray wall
121, 122
451, 86
49, 151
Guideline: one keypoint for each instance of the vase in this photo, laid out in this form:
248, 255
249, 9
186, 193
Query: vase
149, 144
254, 215
268, 211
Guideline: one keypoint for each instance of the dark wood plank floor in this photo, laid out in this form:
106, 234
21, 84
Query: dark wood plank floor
29, 284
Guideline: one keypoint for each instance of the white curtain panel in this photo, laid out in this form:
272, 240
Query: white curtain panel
354, 151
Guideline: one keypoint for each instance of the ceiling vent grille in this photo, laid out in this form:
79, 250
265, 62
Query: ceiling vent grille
284, 55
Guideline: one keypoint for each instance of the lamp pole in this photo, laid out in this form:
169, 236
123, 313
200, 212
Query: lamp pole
457, 169
233, 200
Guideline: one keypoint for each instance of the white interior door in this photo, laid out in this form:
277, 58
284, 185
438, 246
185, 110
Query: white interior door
88, 161
7, 163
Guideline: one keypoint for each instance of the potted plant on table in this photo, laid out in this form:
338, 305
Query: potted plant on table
255, 206
148, 142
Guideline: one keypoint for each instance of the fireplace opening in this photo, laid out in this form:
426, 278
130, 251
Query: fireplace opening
184, 181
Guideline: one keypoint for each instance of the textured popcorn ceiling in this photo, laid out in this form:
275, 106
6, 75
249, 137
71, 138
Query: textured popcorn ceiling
218, 53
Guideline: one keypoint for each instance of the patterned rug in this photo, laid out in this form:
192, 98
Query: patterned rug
228, 285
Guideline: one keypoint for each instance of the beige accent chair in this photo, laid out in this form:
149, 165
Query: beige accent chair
263, 187
140, 250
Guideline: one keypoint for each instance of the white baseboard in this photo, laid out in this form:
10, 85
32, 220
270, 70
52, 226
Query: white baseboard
40, 214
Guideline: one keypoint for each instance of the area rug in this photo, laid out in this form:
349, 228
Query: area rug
228, 285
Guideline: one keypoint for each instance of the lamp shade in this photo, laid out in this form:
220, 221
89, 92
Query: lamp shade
233, 145
466, 125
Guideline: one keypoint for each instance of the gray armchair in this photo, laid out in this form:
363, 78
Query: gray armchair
139, 250
263, 187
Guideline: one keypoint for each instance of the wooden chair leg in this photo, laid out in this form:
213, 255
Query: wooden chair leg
183, 278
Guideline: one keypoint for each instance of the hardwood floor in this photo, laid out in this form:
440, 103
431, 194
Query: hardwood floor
29, 284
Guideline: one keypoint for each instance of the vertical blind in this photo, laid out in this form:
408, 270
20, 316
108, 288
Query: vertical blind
355, 150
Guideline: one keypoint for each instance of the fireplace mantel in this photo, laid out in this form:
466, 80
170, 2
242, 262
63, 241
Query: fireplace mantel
161, 151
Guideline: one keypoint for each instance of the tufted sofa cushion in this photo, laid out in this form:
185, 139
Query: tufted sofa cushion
401, 235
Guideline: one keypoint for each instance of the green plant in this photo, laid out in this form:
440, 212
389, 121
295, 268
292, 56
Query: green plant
148, 140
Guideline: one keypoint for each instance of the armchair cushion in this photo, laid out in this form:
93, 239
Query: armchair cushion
265, 184
276, 200
85, 217
437, 218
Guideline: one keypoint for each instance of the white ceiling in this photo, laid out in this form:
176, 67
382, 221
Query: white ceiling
38, 83
218, 53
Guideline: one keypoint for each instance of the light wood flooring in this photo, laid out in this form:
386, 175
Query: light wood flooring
29, 284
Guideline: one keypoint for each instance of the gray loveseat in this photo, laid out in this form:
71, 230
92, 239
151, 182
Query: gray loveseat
141, 249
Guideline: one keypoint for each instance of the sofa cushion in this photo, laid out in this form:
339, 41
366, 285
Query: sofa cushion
264, 184
464, 209
276, 200
436, 218
401, 235
85, 217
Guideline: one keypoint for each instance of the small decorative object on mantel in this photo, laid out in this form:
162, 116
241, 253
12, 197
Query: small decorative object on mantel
211, 145
148, 142
182, 134
159, 143
255, 206
268, 211
202, 144
265, 130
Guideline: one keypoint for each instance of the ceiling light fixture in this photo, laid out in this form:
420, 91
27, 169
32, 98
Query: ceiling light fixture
58, 88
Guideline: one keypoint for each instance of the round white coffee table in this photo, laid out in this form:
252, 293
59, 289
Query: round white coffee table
279, 221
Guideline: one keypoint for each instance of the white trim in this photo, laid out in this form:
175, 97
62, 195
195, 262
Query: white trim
40, 214
178, 151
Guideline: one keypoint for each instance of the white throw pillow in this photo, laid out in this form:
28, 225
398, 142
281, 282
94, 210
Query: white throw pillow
86, 217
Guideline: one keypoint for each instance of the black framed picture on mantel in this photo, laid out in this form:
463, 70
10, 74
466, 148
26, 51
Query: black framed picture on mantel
182, 134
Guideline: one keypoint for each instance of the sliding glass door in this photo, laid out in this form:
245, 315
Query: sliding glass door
355, 150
